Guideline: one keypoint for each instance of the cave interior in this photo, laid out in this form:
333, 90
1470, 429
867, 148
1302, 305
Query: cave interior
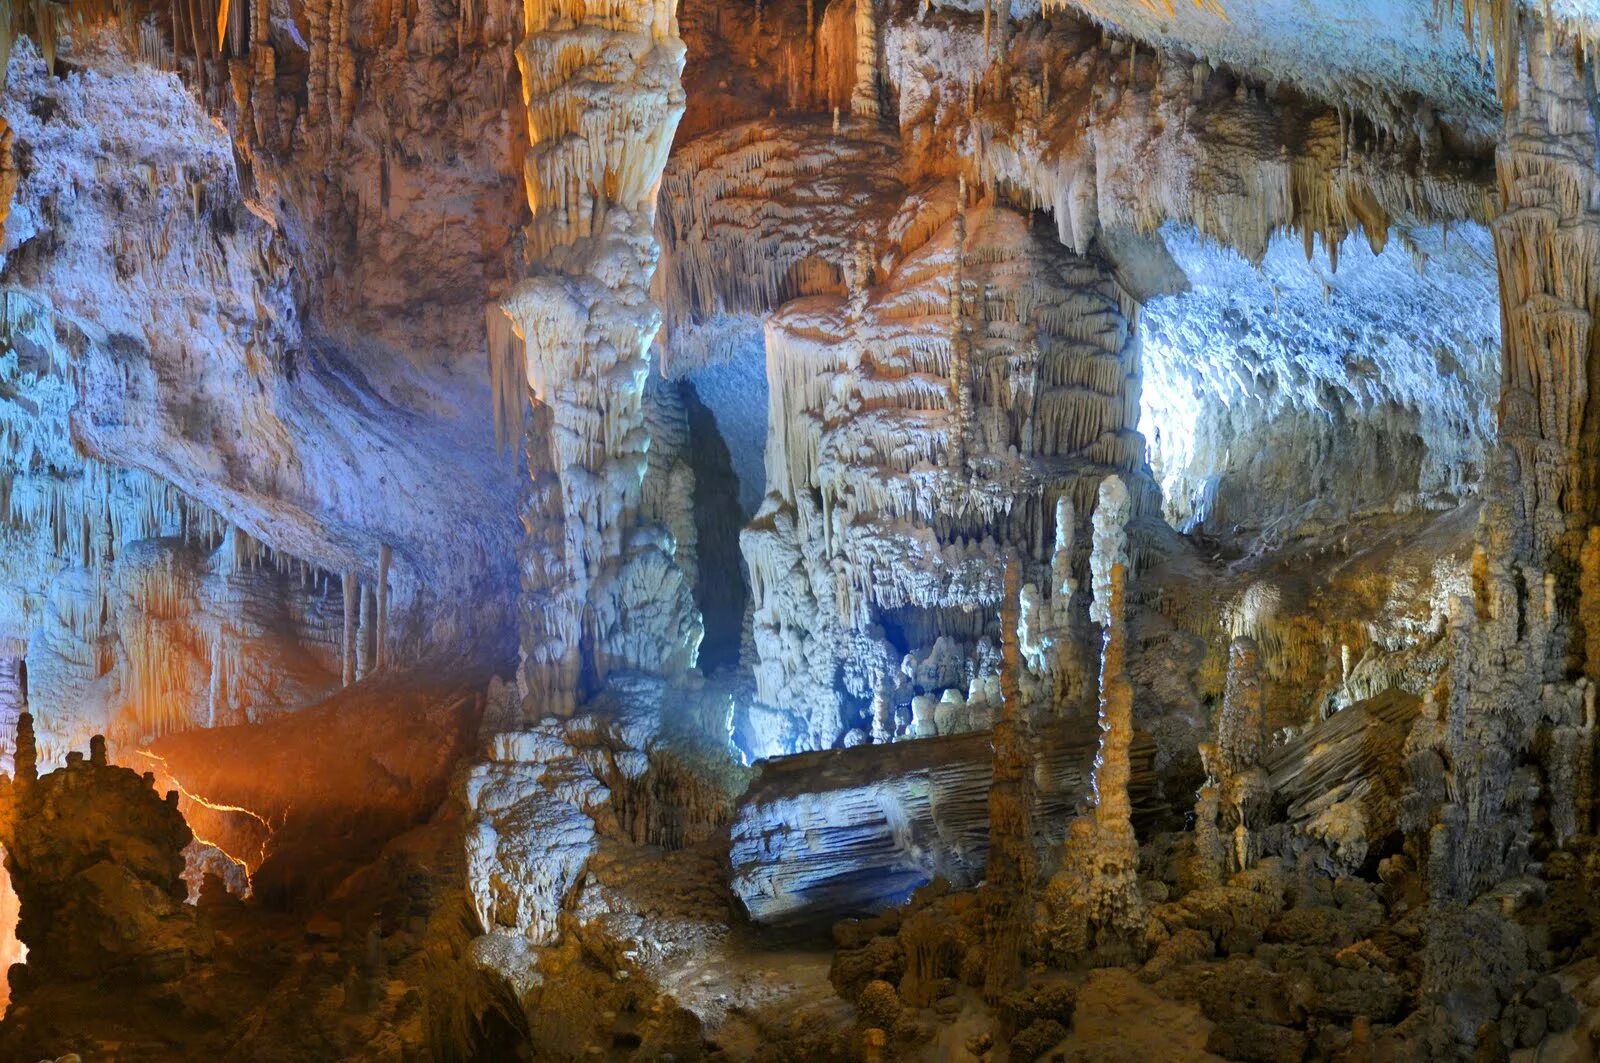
799, 530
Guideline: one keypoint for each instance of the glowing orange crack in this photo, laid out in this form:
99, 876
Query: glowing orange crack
213, 806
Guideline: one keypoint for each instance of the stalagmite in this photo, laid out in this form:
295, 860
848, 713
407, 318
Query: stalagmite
1094, 901
1063, 583
26, 754
1011, 870
1117, 905
1049, 641
1240, 744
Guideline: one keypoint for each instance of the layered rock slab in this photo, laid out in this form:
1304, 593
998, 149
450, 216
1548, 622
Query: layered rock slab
852, 831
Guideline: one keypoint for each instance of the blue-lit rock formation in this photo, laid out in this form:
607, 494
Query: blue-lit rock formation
855, 831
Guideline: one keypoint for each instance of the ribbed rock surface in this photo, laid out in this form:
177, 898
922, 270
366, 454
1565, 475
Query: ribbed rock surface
852, 831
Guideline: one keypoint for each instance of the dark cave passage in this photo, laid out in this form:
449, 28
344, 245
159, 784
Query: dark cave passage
721, 588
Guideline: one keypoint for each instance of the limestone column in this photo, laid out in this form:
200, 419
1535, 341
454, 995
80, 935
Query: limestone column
365, 624
603, 89
350, 590
1542, 488
1547, 242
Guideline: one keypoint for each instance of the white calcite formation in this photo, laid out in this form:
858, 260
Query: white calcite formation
201, 486
868, 522
532, 832
601, 589
1252, 429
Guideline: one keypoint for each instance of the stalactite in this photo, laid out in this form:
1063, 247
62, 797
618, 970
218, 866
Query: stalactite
342, 59
351, 591
318, 13
264, 83
960, 340
380, 649
864, 98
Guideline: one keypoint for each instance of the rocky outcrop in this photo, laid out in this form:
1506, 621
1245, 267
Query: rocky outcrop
304, 799
95, 855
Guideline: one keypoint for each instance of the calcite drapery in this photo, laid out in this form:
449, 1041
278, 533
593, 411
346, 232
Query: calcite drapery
889, 503
1547, 241
600, 591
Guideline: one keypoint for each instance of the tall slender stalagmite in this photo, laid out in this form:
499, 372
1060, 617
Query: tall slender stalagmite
1115, 903
1008, 899
381, 638
604, 94
25, 752
1094, 903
